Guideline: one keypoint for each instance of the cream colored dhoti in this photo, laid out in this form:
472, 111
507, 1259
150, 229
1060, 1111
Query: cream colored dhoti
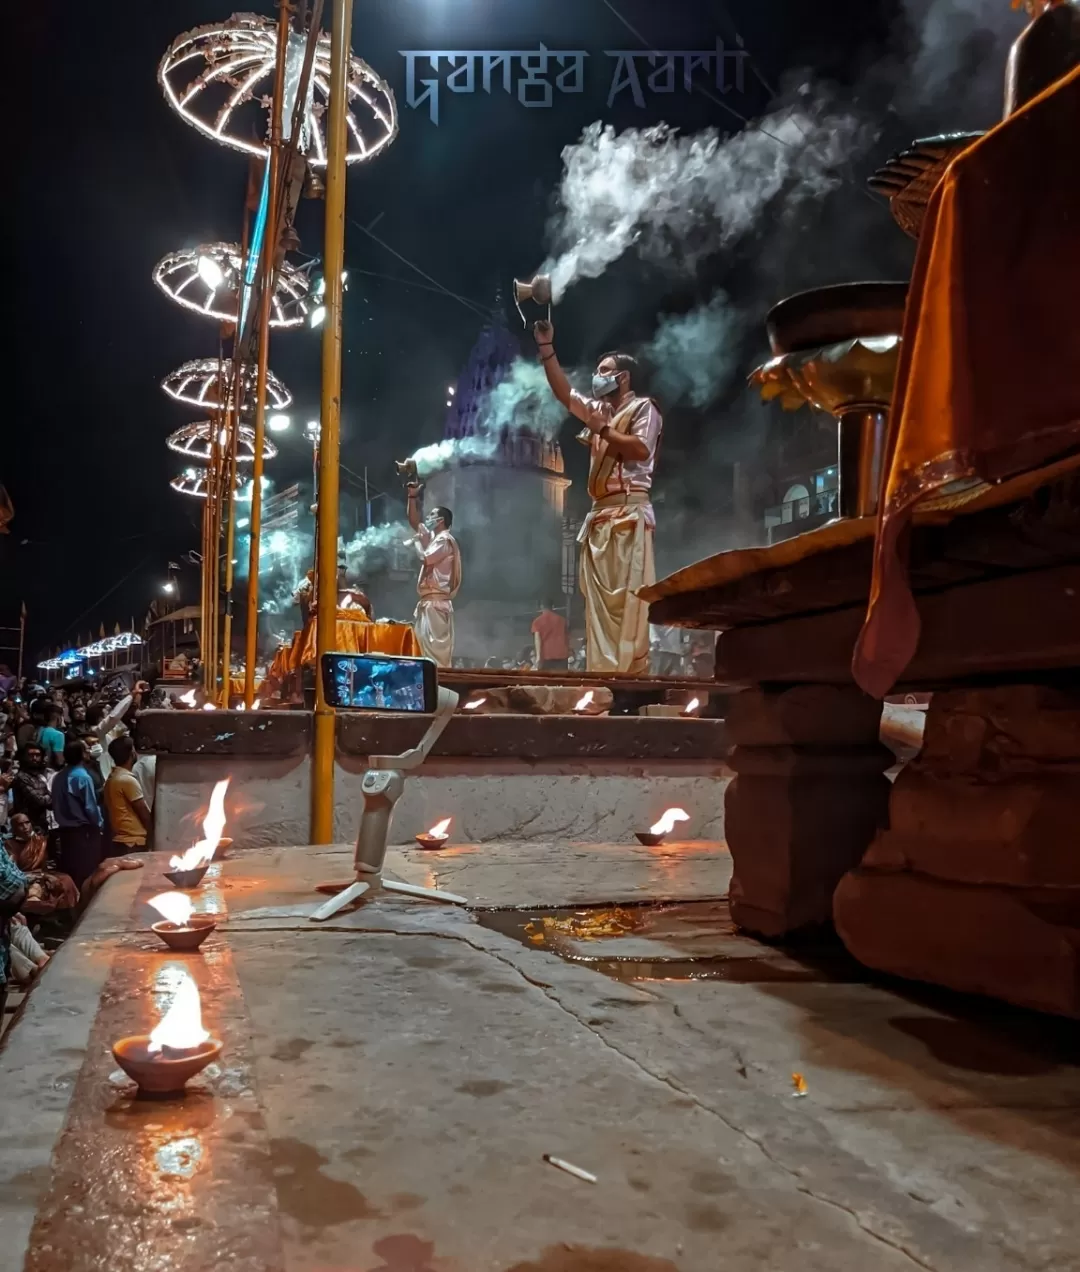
616, 560
433, 624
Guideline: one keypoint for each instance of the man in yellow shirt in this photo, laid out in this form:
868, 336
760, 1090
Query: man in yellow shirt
129, 815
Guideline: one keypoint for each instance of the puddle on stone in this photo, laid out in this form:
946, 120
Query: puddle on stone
676, 941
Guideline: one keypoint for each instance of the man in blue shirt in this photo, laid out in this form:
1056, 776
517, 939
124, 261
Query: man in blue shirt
78, 815
49, 736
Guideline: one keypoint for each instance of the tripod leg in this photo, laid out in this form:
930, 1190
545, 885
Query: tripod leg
432, 894
336, 904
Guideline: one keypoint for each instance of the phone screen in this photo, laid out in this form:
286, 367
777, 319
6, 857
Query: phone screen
379, 682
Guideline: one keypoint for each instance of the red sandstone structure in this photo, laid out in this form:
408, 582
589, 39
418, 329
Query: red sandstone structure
965, 870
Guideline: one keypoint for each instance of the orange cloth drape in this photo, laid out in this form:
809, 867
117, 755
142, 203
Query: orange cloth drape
360, 636
988, 383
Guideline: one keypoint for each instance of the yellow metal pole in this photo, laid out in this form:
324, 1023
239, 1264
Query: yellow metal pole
270, 247
204, 607
322, 775
233, 417
213, 498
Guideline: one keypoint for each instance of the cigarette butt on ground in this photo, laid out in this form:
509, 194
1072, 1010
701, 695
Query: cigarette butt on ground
570, 1168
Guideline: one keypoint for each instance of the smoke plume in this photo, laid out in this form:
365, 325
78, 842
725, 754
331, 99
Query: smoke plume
959, 58
677, 199
695, 355
367, 550
430, 459
521, 401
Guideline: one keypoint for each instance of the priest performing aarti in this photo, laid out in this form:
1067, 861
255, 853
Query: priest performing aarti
622, 431
440, 579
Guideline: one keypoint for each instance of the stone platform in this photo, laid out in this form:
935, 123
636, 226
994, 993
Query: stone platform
498, 776
391, 1082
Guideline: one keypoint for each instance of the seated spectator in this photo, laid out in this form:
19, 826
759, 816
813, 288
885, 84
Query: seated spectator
78, 816
129, 814
30, 789
27, 956
14, 886
27, 847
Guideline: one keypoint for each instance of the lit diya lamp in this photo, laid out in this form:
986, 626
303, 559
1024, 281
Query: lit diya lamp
437, 836
181, 928
188, 869
657, 833
188, 699
476, 702
586, 701
162, 1061
691, 706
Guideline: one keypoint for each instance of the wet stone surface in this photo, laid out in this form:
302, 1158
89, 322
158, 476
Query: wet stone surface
671, 942
392, 1081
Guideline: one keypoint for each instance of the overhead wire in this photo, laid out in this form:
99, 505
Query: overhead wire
462, 300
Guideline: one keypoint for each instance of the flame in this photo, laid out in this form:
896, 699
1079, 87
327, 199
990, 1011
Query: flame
175, 907
666, 824
241, 707
692, 706
208, 706
213, 825
440, 829
181, 1027
255, 705
586, 701
188, 699
214, 821
197, 855
478, 702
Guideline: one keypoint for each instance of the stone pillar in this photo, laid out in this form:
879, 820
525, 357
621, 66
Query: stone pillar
976, 882
808, 797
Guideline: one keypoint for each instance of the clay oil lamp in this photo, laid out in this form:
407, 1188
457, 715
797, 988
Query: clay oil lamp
161, 1062
437, 836
657, 833
181, 928
189, 868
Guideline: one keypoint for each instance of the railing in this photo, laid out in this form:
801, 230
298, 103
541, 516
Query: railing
822, 503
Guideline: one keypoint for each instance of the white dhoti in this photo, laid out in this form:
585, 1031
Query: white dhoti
616, 560
433, 624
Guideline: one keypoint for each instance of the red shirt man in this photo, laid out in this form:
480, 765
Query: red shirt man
550, 641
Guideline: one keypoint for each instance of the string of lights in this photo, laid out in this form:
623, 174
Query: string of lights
207, 280
219, 78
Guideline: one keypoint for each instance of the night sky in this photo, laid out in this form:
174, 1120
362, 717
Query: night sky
107, 179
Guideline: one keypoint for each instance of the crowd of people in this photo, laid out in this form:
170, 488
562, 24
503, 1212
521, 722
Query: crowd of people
75, 801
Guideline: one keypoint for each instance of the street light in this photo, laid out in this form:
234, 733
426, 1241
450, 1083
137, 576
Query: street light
169, 587
278, 423
210, 272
